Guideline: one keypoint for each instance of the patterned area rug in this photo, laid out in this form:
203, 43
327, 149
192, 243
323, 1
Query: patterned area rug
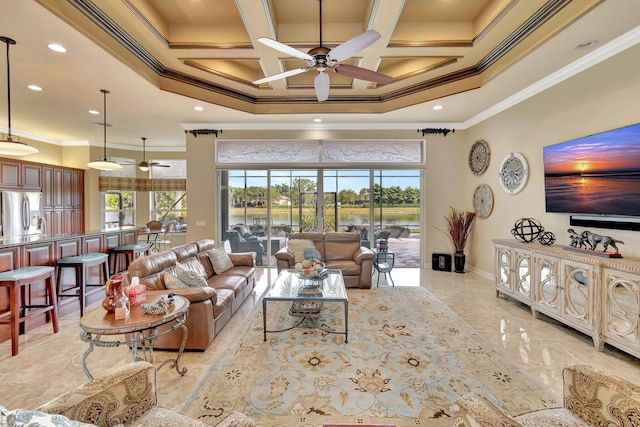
408, 358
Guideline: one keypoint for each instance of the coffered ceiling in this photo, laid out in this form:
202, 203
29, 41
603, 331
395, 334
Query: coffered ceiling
209, 48
160, 58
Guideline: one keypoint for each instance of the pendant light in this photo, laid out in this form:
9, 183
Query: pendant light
8, 146
104, 164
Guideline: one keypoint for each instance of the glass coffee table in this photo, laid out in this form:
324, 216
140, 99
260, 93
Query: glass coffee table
307, 297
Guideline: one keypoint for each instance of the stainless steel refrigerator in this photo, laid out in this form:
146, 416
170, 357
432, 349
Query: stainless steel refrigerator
21, 211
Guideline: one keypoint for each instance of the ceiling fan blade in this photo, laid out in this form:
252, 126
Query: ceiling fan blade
158, 165
291, 51
281, 75
321, 84
352, 46
362, 73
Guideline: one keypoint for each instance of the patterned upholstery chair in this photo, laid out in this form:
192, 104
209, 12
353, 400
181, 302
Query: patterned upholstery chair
126, 396
591, 398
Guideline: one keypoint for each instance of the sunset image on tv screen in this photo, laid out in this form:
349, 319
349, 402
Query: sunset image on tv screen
596, 174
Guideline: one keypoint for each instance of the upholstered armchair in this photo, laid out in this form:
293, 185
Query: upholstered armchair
240, 244
125, 396
590, 397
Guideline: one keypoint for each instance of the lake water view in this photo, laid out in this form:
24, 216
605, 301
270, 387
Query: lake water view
404, 217
594, 195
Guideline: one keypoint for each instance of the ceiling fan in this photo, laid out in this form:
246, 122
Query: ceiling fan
322, 59
144, 165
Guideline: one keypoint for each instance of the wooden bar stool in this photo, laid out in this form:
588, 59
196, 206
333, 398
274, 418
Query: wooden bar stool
16, 281
80, 263
130, 252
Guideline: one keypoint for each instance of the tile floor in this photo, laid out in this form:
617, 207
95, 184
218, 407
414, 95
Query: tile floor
50, 364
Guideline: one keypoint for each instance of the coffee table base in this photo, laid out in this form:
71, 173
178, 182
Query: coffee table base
305, 310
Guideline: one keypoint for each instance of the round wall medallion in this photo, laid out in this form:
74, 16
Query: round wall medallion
479, 156
514, 172
483, 200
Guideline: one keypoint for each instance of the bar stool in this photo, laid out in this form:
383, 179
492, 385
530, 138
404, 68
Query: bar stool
20, 311
130, 252
80, 263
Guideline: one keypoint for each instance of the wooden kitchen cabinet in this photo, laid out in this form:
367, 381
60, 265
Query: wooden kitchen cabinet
16, 175
63, 196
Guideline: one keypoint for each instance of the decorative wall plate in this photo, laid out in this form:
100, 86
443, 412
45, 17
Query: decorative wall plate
483, 200
479, 157
514, 172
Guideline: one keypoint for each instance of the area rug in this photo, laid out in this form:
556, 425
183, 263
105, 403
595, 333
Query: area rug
408, 358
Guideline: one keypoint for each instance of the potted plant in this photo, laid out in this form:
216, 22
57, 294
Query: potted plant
458, 228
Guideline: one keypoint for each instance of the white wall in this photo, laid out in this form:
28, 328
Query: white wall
601, 98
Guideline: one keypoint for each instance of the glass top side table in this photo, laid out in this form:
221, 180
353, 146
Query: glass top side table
383, 264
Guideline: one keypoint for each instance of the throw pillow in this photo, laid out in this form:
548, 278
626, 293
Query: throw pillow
172, 282
28, 418
195, 265
297, 247
220, 260
312, 253
190, 277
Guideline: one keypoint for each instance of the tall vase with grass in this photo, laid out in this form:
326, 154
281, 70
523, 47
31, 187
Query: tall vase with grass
458, 228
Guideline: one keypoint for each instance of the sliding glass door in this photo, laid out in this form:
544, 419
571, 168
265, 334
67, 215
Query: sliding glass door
265, 206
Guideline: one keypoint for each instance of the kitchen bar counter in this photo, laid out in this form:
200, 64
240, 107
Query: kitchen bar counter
9, 241
46, 250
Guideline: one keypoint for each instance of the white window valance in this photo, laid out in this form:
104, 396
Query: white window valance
319, 152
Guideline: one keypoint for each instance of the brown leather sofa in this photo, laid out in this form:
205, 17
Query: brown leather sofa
211, 307
339, 251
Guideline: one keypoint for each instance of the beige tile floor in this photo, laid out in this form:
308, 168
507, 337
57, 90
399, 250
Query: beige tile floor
49, 364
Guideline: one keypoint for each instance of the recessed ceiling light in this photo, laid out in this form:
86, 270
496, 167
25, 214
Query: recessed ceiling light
35, 87
437, 107
317, 120
587, 45
94, 112
57, 48
198, 108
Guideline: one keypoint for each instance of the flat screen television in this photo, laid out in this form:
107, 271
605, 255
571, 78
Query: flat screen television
596, 174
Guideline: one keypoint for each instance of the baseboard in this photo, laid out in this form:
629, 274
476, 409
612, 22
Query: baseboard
479, 272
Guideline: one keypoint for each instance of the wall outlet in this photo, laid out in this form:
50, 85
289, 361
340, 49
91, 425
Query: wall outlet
200, 223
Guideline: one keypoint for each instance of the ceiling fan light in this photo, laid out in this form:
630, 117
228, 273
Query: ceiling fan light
104, 165
144, 166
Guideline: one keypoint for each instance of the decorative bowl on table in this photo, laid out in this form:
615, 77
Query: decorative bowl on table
311, 270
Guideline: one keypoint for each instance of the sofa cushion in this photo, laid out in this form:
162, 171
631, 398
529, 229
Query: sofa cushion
341, 246
228, 281
297, 247
192, 278
220, 260
206, 263
30, 418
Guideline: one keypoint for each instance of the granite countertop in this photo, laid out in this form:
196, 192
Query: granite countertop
8, 241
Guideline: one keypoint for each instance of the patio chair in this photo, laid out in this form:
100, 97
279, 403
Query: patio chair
240, 244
